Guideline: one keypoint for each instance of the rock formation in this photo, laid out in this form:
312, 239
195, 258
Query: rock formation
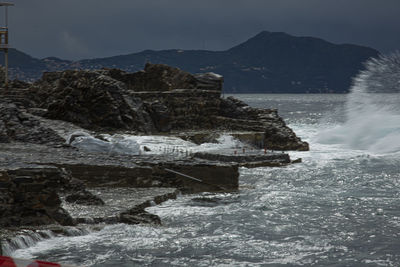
38, 170
17, 125
29, 197
159, 99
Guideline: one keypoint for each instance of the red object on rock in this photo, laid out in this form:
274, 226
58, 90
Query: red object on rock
6, 262
10, 262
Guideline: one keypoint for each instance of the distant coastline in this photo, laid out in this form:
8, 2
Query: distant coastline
270, 62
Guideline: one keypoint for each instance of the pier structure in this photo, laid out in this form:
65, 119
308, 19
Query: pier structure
4, 46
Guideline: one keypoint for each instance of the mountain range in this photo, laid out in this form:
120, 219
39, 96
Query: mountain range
270, 62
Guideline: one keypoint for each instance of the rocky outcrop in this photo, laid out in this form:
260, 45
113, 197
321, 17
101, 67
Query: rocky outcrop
17, 125
90, 99
114, 99
277, 135
159, 99
159, 77
29, 197
102, 169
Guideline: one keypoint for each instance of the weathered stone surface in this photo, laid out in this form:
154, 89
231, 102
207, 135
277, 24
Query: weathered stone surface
101, 169
160, 77
159, 99
245, 157
139, 216
84, 198
31, 197
235, 114
90, 99
182, 109
121, 204
17, 125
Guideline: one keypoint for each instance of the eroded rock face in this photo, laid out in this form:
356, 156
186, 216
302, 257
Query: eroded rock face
29, 197
160, 77
16, 125
91, 99
114, 99
159, 99
277, 135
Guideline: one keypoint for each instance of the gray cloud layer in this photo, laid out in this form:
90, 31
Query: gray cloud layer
76, 29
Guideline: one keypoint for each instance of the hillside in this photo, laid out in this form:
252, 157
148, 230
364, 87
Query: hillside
270, 62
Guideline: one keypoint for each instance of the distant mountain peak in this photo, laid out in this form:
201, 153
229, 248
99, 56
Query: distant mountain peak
265, 34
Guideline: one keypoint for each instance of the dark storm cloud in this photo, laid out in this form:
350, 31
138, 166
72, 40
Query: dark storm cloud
97, 28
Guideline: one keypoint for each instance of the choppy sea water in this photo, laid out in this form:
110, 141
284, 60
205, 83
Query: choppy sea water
340, 207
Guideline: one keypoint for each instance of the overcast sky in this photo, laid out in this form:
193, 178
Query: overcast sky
77, 29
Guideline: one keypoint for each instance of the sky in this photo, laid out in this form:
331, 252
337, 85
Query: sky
78, 29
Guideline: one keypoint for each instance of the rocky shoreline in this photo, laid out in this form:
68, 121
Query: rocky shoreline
46, 181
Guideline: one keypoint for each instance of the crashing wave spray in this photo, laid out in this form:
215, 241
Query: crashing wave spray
372, 109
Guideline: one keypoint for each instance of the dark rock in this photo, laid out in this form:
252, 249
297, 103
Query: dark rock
17, 125
235, 114
84, 198
159, 77
90, 99
139, 216
159, 99
28, 201
19, 84
233, 108
245, 158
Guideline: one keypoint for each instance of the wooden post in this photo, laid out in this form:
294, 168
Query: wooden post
6, 66
4, 41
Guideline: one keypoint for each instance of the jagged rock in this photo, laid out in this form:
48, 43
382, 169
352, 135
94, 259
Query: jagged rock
17, 125
18, 84
76, 192
84, 198
277, 135
233, 108
28, 197
159, 99
160, 77
139, 216
91, 100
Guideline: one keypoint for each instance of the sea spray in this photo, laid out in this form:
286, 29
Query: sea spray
28, 238
372, 109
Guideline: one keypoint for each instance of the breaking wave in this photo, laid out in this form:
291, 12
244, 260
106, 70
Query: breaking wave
372, 109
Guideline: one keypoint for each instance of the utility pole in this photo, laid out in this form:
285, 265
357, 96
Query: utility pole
4, 40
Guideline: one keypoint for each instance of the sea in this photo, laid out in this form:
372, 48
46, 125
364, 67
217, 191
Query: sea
339, 207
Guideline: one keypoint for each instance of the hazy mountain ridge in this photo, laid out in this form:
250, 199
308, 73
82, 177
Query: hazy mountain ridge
270, 62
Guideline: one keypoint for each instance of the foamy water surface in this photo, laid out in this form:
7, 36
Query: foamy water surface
340, 207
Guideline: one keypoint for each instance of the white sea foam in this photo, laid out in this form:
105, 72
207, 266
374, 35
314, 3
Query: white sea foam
174, 145
303, 214
373, 110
